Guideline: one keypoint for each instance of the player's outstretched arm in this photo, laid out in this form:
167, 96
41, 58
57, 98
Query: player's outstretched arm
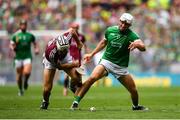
137, 44
75, 35
12, 46
36, 48
101, 45
68, 65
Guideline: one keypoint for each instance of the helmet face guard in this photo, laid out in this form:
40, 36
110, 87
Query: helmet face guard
126, 17
62, 43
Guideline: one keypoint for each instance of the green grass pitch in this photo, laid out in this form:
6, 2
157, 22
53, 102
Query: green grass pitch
110, 103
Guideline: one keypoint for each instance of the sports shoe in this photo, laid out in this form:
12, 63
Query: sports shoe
139, 107
44, 105
74, 106
21, 93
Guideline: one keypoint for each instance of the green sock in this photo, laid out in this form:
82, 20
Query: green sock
77, 99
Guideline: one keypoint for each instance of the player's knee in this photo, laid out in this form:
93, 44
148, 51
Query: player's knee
27, 73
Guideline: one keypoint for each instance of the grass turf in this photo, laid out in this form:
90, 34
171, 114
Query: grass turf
110, 103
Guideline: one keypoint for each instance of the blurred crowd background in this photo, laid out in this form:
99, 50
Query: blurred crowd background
156, 21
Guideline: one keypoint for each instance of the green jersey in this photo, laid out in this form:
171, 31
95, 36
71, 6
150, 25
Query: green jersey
117, 50
23, 42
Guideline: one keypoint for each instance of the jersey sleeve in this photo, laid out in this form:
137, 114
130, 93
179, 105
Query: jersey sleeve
33, 38
13, 39
106, 34
133, 36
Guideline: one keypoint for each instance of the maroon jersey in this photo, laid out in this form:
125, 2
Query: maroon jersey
74, 50
51, 52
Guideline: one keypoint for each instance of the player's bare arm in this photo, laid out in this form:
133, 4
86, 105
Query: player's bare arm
36, 48
137, 44
79, 43
12, 46
68, 65
101, 45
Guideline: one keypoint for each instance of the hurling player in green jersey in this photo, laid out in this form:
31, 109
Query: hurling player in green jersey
118, 42
21, 44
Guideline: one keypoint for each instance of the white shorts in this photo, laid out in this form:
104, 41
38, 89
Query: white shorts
49, 65
114, 69
20, 63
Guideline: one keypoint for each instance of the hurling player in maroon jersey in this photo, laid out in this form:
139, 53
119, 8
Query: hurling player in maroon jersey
57, 56
75, 52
